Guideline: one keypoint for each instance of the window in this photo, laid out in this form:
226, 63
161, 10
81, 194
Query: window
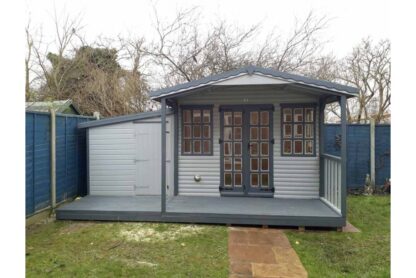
298, 130
197, 130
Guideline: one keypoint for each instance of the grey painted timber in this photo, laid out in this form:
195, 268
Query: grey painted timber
193, 209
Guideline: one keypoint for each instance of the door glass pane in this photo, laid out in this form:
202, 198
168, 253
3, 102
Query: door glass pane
228, 136
254, 180
237, 148
227, 149
227, 164
228, 179
298, 147
254, 149
186, 146
238, 179
254, 164
287, 131
265, 148
187, 131
308, 147
264, 118
254, 118
187, 116
309, 115
197, 131
207, 131
228, 120
287, 147
207, 146
298, 131
196, 116
254, 133
197, 146
207, 116
308, 131
287, 115
238, 164
265, 164
264, 131
237, 133
238, 118
264, 180
298, 114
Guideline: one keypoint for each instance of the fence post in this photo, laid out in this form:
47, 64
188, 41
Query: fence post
53, 159
373, 152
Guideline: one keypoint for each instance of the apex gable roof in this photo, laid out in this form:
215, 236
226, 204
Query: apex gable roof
270, 76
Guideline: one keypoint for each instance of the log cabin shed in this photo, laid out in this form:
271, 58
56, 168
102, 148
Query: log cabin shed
240, 147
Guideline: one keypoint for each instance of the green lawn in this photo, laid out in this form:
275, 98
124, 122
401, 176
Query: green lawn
365, 254
88, 249
105, 249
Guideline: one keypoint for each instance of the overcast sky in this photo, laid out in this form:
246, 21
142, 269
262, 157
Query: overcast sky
351, 20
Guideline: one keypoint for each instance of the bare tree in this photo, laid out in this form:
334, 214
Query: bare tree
28, 59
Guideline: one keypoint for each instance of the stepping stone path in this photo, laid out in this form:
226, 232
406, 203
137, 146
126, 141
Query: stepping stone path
257, 252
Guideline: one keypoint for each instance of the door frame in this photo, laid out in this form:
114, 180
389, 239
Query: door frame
247, 191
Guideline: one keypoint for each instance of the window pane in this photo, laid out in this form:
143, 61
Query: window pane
207, 147
254, 118
227, 164
237, 149
187, 146
197, 131
265, 164
308, 147
287, 131
265, 148
238, 118
207, 116
298, 114
197, 147
228, 120
238, 164
186, 116
264, 180
254, 164
227, 149
309, 115
228, 179
254, 133
207, 131
264, 118
228, 136
196, 116
287, 147
254, 180
264, 131
298, 147
308, 131
237, 133
254, 149
237, 179
287, 115
187, 131
298, 131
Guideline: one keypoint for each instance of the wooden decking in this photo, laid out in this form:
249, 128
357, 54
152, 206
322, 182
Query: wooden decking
195, 209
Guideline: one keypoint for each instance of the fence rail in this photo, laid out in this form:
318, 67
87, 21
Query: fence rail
70, 159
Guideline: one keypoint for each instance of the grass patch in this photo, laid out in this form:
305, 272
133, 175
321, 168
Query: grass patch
365, 254
94, 249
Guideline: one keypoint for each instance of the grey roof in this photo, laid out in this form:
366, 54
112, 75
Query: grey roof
122, 119
60, 106
331, 86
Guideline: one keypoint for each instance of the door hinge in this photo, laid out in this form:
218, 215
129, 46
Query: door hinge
272, 141
220, 141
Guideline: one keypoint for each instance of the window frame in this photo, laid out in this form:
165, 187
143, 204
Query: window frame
293, 123
201, 124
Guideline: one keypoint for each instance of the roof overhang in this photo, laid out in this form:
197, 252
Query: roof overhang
252, 76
